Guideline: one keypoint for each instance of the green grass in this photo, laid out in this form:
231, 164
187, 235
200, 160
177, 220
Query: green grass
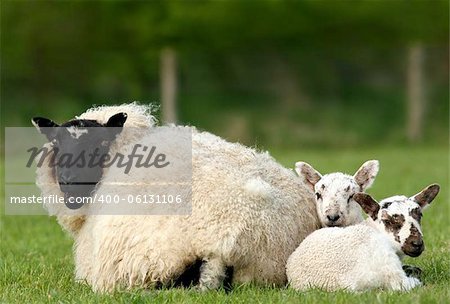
37, 266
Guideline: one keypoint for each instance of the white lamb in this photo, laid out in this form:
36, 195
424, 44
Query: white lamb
367, 255
248, 213
334, 192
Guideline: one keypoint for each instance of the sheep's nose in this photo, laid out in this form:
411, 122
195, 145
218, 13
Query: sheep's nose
66, 178
333, 218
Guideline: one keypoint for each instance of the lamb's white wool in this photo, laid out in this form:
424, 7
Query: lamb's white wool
366, 255
248, 212
334, 192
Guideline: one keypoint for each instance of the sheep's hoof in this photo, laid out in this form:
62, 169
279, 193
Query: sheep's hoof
214, 275
190, 277
412, 271
228, 281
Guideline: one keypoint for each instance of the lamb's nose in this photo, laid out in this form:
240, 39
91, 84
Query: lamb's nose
418, 243
333, 218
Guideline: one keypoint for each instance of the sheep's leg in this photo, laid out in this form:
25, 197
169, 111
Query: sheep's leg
228, 281
212, 274
191, 275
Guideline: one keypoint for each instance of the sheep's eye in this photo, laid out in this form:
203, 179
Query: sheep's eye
318, 195
54, 143
349, 199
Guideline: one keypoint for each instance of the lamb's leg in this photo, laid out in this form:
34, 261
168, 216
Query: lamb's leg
401, 282
410, 283
412, 271
212, 274
389, 274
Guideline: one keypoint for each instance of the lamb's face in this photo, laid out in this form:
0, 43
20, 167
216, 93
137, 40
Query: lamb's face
334, 200
398, 217
74, 142
334, 192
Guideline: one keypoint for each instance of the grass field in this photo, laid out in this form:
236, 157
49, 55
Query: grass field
37, 266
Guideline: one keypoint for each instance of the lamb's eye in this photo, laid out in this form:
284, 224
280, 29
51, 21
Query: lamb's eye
395, 217
318, 195
349, 199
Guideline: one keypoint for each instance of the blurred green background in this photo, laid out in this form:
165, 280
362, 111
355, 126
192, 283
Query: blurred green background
276, 74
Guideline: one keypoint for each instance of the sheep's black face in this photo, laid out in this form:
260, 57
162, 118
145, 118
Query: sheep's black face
80, 148
73, 143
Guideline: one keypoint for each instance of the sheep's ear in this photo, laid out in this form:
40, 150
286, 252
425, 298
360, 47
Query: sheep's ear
116, 122
426, 196
45, 126
366, 174
311, 175
368, 204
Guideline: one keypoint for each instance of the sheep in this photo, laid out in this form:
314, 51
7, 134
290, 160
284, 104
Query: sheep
334, 192
366, 255
248, 215
141, 119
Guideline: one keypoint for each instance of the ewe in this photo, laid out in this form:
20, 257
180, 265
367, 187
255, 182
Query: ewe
249, 213
366, 255
334, 192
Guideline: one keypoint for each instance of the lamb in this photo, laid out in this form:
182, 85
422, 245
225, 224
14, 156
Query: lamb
248, 213
366, 255
334, 192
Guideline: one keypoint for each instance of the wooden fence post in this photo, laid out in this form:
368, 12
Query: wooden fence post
415, 93
168, 81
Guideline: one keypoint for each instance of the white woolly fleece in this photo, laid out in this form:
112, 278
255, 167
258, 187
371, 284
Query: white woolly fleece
139, 116
354, 258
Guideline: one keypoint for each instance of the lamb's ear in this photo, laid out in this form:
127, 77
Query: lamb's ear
426, 196
45, 126
116, 122
366, 174
368, 204
311, 175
